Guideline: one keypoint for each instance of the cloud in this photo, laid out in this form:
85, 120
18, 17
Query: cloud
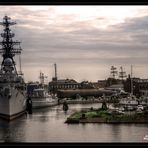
75, 42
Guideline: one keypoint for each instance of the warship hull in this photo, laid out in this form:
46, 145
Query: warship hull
12, 106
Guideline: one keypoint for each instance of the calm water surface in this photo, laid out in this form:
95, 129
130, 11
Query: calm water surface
47, 125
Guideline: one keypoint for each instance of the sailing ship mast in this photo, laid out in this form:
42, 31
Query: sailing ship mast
131, 80
122, 74
113, 72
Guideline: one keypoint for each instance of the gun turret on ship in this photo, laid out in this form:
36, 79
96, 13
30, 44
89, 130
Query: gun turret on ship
12, 86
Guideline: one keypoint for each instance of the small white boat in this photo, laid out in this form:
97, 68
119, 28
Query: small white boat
128, 101
40, 98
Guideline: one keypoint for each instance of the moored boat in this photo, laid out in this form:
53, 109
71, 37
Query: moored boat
12, 85
38, 93
40, 98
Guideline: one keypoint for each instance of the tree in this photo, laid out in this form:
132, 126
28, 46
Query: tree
104, 105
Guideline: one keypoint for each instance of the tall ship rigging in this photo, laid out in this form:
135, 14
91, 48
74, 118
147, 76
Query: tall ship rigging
12, 85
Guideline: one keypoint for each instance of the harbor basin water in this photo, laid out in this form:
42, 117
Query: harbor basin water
47, 125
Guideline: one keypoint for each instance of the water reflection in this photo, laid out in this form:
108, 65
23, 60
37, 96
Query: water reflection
48, 125
11, 131
115, 130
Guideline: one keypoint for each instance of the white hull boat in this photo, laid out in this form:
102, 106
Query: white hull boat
41, 99
41, 103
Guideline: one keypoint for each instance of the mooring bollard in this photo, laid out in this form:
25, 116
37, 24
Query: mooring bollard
29, 105
65, 106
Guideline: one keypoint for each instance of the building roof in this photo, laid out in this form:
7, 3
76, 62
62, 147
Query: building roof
116, 86
64, 81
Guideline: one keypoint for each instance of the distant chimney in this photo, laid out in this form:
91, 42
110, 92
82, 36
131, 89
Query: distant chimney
55, 66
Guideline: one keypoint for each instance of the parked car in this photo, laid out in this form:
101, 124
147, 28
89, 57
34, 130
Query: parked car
122, 109
121, 112
145, 137
129, 108
139, 110
140, 107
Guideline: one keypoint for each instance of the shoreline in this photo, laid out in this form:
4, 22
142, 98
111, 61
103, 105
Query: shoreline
83, 101
68, 102
101, 120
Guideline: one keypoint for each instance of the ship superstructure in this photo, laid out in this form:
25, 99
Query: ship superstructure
12, 86
39, 95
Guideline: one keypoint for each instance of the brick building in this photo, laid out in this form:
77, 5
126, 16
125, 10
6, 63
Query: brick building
140, 86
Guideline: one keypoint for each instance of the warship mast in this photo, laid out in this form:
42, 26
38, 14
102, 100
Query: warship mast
9, 47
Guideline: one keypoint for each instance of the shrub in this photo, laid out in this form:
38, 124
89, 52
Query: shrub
91, 114
76, 115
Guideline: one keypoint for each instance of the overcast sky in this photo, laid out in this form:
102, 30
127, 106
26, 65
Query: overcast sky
84, 41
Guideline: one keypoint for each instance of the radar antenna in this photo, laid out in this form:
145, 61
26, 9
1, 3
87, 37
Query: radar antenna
9, 48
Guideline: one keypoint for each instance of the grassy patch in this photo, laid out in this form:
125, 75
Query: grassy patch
103, 114
76, 115
91, 114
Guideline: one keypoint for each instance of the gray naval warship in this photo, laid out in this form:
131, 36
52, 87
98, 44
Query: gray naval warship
12, 85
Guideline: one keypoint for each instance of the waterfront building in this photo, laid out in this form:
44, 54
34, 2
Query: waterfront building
140, 86
101, 83
61, 84
55, 84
